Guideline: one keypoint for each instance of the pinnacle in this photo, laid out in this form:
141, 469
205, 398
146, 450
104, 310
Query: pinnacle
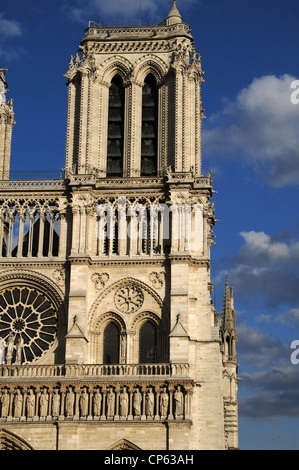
174, 15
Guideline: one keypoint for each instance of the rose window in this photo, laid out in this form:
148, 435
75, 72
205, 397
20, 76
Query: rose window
128, 299
28, 323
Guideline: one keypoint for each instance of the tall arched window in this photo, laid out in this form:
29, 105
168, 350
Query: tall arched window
115, 144
148, 344
149, 132
111, 344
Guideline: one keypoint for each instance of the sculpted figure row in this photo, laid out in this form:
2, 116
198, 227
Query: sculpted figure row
98, 403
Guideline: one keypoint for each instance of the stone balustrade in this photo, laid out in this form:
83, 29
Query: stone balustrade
94, 370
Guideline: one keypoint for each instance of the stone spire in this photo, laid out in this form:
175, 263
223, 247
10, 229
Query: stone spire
174, 16
228, 327
6, 125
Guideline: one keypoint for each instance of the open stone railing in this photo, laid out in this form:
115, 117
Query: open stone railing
94, 370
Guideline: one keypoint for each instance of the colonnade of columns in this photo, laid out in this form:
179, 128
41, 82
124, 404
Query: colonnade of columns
32, 232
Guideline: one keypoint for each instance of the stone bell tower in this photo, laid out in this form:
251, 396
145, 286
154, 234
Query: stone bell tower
129, 353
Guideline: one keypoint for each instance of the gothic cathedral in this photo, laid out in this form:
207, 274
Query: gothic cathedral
109, 338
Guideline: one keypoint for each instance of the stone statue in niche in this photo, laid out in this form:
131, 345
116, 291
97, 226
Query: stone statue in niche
19, 348
164, 399
137, 402
124, 403
84, 403
2, 351
149, 403
43, 403
55, 403
123, 348
18, 403
179, 402
69, 403
10, 347
30, 404
4, 403
97, 402
110, 403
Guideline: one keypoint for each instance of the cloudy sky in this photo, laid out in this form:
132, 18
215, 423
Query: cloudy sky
249, 53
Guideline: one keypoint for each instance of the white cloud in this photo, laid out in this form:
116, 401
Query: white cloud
290, 318
275, 393
261, 127
271, 387
260, 249
265, 268
260, 350
9, 28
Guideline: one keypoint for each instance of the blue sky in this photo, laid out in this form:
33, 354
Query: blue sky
249, 53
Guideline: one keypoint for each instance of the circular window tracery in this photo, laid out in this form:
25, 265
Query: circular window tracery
129, 299
28, 324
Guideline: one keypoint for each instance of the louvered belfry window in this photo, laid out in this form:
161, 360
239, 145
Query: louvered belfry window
149, 136
115, 128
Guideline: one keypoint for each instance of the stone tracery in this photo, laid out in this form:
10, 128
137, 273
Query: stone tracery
27, 324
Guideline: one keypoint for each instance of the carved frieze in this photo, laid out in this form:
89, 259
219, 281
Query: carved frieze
157, 401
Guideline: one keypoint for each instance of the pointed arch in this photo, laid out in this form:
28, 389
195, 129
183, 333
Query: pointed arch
115, 65
105, 338
150, 64
10, 441
93, 317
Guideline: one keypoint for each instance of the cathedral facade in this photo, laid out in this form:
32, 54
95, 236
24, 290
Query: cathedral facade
109, 338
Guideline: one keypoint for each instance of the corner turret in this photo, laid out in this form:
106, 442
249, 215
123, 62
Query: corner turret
174, 16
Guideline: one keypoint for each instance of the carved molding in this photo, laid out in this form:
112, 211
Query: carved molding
118, 285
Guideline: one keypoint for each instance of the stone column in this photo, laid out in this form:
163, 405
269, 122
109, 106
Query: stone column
133, 116
130, 410
103, 126
11, 221
30, 239
42, 218
21, 234
84, 108
103, 416
1, 234
51, 234
157, 415
70, 158
170, 413
62, 235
